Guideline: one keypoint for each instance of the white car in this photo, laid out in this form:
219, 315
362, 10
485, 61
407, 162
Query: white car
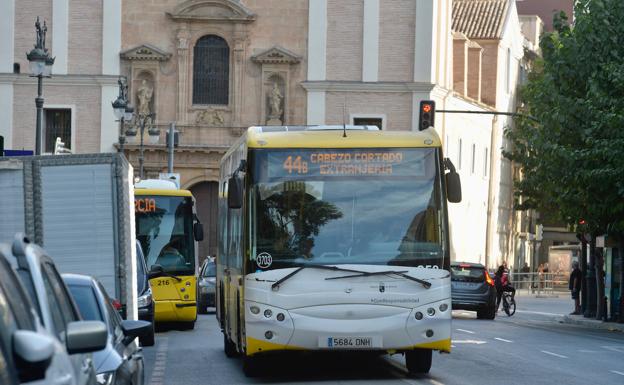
51, 344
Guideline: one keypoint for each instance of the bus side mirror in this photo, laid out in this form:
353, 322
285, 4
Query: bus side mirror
235, 192
198, 231
453, 187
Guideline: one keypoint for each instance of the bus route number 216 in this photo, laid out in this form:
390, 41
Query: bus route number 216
295, 164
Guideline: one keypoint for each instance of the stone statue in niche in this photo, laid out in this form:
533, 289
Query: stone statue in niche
144, 94
275, 106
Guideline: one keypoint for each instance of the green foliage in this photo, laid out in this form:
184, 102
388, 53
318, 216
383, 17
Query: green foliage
572, 158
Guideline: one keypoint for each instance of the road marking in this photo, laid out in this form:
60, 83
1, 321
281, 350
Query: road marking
475, 342
539, 313
587, 351
553, 354
502, 339
160, 364
465, 331
619, 349
616, 372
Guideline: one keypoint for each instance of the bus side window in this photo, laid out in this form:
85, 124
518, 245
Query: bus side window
223, 226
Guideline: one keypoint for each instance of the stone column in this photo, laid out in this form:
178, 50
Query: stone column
182, 38
239, 73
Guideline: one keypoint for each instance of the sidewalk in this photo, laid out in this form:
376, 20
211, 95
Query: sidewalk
556, 308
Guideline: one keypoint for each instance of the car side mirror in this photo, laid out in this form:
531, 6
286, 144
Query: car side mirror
453, 187
33, 353
235, 192
198, 231
85, 336
133, 329
155, 272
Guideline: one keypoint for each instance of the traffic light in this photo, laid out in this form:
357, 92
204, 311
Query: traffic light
426, 117
175, 138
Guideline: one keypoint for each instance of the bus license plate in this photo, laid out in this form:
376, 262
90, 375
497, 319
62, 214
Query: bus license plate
352, 342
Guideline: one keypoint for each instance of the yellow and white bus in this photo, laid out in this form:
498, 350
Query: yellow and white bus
167, 228
335, 238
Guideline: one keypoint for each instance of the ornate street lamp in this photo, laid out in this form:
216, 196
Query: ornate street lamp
143, 120
123, 110
40, 66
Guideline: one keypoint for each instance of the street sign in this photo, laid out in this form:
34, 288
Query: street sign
18, 153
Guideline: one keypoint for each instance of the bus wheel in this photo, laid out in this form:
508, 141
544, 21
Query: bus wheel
251, 366
418, 361
228, 347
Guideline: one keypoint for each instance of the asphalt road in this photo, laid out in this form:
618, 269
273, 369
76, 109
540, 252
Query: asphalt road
523, 349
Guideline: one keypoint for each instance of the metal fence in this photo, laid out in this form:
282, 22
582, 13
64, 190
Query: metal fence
540, 283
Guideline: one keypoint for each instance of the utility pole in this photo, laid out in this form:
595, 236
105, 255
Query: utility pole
170, 144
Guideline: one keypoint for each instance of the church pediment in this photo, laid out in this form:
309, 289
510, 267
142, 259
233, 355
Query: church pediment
145, 52
276, 55
212, 10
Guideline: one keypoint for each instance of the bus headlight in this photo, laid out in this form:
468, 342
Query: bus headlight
268, 313
146, 299
418, 315
443, 307
431, 312
254, 310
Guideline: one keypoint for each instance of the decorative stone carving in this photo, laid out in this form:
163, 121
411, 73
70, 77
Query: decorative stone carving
210, 117
212, 10
182, 37
145, 52
276, 55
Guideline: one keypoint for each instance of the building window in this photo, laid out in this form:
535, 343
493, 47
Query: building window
368, 122
508, 82
485, 162
57, 125
211, 71
472, 164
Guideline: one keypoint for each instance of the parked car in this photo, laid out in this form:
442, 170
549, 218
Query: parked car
144, 293
121, 361
206, 285
472, 288
73, 339
26, 352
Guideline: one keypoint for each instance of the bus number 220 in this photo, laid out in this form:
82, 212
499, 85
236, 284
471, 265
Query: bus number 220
297, 165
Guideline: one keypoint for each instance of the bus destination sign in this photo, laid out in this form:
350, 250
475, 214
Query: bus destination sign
145, 205
345, 162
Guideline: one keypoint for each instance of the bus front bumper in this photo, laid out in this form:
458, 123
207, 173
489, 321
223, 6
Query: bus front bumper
175, 311
352, 327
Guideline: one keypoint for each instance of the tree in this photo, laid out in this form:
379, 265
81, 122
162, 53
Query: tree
572, 154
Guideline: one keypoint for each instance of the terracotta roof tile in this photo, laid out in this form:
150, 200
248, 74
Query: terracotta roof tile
480, 19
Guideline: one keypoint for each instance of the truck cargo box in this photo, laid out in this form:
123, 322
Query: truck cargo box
80, 209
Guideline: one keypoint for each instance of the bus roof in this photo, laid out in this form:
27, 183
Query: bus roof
162, 192
332, 137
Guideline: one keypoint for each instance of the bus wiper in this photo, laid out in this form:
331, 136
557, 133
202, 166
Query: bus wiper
426, 284
322, 267
164, 273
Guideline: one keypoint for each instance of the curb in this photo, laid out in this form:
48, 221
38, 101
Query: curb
592, 323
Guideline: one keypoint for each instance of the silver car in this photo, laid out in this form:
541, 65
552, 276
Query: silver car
121, 361
63, 340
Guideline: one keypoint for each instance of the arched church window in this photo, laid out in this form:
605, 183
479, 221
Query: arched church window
211, 70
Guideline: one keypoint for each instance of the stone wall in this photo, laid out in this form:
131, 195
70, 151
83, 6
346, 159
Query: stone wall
396, 41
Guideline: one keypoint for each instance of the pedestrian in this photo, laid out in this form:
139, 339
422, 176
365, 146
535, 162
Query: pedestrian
576, 281
540, 276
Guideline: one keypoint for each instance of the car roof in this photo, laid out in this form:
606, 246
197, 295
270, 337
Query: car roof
468, 264
77, 279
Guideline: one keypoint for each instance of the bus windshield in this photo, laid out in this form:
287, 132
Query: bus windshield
164, 226
346, 206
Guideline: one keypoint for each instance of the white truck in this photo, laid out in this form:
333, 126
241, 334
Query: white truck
80, 209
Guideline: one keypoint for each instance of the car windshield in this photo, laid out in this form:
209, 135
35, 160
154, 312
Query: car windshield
467, 273
141, 273
164, 227
210, 270
311, 209
86, 301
